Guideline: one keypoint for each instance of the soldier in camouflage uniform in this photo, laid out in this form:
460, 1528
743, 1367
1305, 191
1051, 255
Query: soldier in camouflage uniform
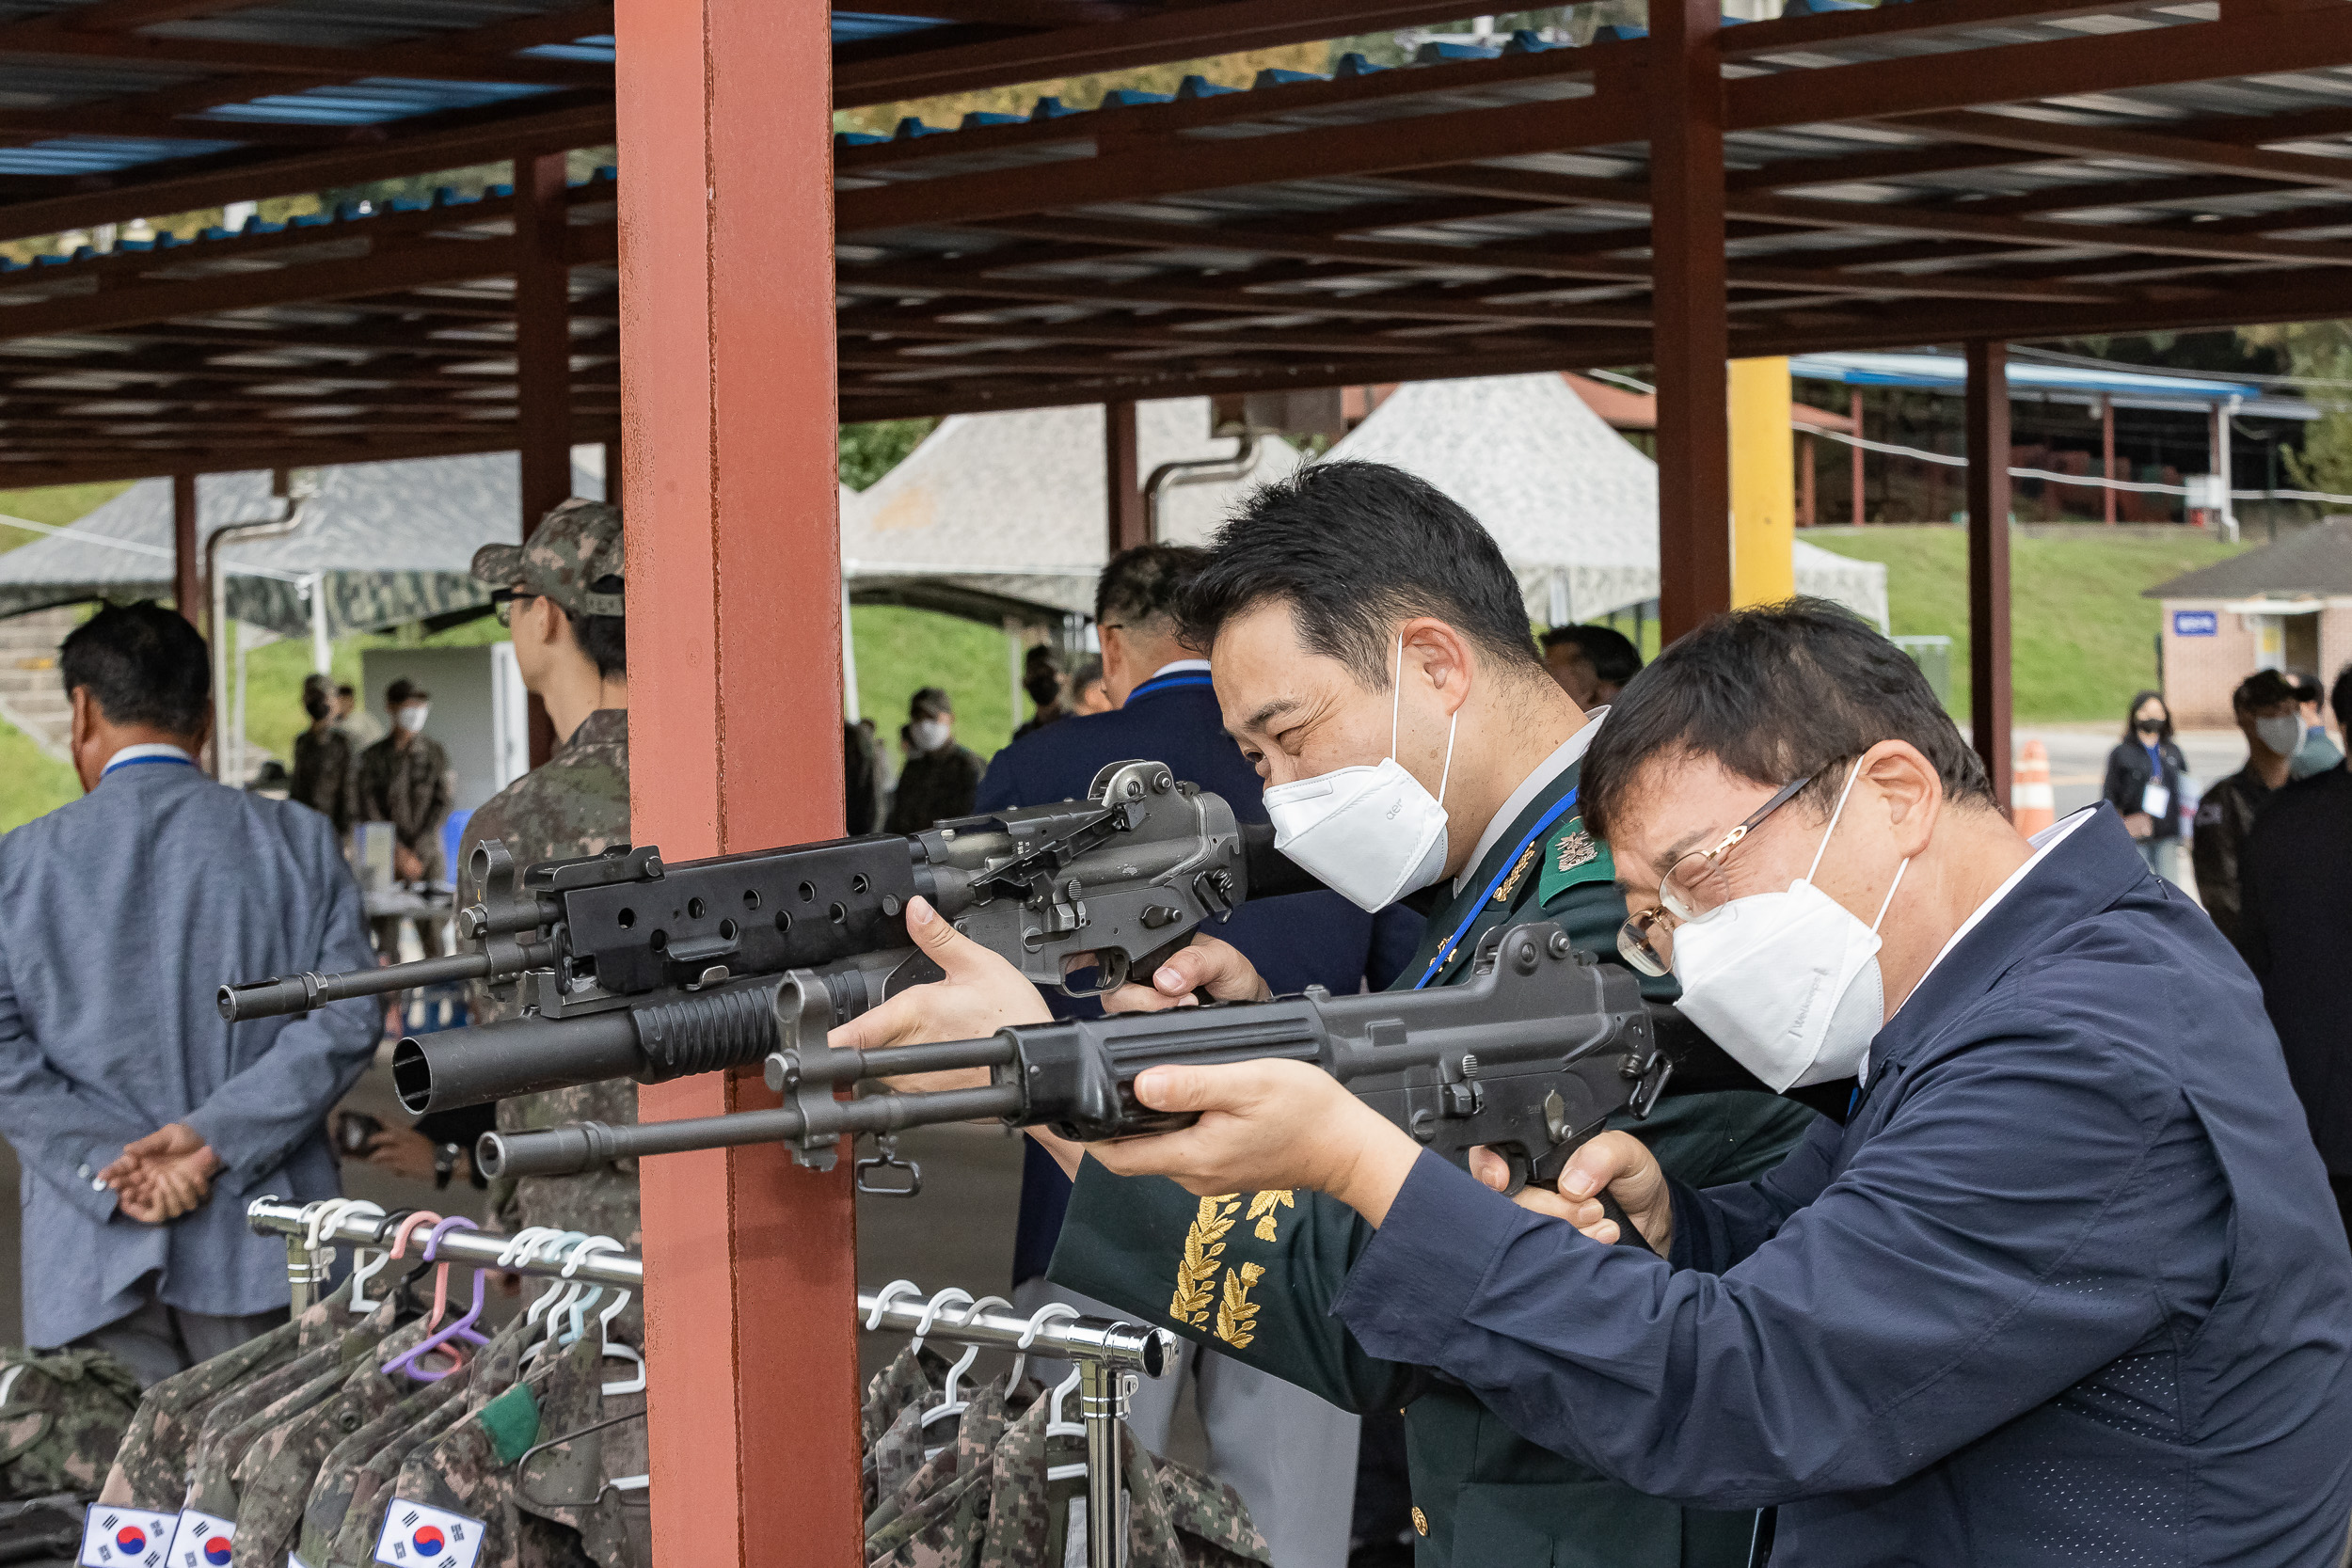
562, 596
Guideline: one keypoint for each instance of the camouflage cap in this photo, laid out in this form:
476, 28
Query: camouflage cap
575, 547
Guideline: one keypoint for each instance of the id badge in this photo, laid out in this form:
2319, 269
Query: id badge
2156, 800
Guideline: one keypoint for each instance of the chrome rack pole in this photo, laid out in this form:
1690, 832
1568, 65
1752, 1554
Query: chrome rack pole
1109, 1355
271, 1216
1103, 1387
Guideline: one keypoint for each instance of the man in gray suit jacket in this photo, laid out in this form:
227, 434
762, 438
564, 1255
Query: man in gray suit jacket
142, 1120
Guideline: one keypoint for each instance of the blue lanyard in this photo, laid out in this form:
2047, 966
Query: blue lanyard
1542, 826
134, 762
1171, 683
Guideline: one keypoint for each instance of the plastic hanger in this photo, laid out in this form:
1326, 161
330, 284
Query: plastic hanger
890, 1293
365, 1261
543, 1317
950, 1405
1038, 1319
576, 1307
407, 1361
951, 1296
620, 1353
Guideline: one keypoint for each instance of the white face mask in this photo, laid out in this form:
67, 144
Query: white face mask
928, 735
1788, 983
411, 718
1371, 834
2282, 734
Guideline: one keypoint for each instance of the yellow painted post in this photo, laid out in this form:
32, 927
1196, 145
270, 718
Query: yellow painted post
1763, 483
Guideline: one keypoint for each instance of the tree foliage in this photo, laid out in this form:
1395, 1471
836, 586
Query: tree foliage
2321, 350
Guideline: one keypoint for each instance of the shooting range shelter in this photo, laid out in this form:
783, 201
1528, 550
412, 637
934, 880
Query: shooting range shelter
1960, 172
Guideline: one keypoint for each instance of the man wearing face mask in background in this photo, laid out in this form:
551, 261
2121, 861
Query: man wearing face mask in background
1372, 655
2269, 713
940, 778
2066, 1285
327, 765
406, 779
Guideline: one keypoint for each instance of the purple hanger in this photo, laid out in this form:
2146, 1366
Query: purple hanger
462, 1329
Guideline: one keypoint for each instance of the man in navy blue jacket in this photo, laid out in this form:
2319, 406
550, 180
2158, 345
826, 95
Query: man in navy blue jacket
1290, 1454
2065, 1285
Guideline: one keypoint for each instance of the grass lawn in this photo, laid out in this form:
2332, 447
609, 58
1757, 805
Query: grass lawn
899, 652
2083, 638
31, 781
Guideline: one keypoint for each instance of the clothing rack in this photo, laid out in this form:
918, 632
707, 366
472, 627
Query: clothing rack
1110, 1355
312, 1232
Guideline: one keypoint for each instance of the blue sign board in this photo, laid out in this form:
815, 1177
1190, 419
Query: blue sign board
2195, 622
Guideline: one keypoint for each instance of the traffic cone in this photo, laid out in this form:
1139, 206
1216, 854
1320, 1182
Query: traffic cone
2032, 805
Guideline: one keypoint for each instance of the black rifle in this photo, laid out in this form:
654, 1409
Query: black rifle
1528, 1057
631, 967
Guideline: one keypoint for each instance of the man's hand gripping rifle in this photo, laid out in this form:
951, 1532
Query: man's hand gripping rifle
631, 967
1529, 1058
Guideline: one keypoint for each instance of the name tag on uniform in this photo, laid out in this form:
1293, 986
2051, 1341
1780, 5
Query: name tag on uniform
419, 1536
125, 1538
2156, 800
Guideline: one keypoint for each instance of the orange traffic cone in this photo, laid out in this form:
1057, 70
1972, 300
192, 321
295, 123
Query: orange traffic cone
2032, 805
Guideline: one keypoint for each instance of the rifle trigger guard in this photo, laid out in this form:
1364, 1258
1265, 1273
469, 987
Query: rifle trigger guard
886, 1158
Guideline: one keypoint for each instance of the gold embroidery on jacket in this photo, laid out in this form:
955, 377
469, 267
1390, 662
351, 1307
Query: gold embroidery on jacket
1511, 883
1196, 1272
1236, 1313
1262, 1209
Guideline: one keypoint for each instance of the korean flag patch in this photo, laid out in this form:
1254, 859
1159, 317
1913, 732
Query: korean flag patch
201, 1540
125, 1538
415, 1536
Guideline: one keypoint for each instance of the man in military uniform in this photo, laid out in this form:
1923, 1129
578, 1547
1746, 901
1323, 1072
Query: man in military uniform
561, 594
406, 779
327, 764
1354, 614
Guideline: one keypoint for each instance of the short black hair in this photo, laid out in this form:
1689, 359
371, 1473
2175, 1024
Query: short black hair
1354, 548
929, 703
142, 664
1089, 670
1146, 584
2263, 689
1611, 653
2131, 717
604, 638
2308, 689
1041, 655
1776, 693
2341, 699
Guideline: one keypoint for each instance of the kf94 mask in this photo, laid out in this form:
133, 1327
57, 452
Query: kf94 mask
1788, 983
1372, 834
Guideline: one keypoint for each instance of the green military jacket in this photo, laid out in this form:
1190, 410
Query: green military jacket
1253, 1275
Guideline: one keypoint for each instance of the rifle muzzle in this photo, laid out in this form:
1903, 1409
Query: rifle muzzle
275, 998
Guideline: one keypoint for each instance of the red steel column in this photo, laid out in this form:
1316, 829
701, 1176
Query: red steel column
728, 415
543, 361
1988, 561
1690, 333
1123, 468
188, 553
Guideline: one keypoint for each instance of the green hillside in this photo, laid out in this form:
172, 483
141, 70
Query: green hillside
2083, 638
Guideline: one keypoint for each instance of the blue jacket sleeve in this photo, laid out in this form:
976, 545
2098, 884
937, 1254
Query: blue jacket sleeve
1993, 1244
257, 1118
1716, 1228
60, 1136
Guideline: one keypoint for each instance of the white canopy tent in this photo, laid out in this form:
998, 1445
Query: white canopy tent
1572, 503
383, 543
1007, 514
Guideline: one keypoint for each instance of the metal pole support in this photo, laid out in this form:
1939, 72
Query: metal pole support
1103, 1390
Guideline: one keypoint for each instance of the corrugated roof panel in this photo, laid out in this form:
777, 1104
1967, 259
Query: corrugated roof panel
858, 27
375, 100
99, 154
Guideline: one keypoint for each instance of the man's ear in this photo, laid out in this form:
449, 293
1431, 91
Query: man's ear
1442, 653
1912, 788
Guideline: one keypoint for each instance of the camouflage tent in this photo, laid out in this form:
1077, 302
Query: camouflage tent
384, 542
